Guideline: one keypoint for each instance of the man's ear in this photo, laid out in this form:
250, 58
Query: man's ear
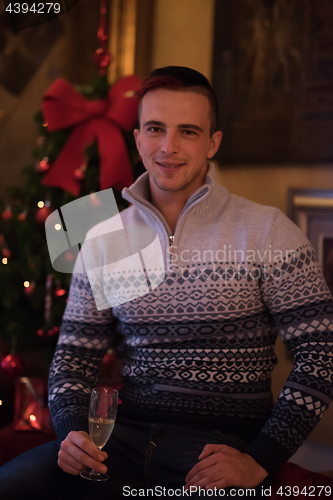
215, 143
136, 133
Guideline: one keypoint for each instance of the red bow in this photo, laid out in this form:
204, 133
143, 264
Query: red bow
103, 120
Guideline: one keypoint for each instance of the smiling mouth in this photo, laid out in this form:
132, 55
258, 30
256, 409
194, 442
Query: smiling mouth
169, 165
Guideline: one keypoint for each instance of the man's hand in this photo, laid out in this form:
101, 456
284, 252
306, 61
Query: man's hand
221, 466
77, 453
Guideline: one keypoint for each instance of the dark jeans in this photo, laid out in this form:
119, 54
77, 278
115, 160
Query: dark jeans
140, 455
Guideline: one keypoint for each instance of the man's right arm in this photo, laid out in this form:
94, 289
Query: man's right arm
84, 336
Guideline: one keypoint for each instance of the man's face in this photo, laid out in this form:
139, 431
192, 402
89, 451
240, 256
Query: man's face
174, 140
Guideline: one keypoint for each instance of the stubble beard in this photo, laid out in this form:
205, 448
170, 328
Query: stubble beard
180, 185
175, 185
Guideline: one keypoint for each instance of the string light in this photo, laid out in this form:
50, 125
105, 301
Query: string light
0, 402
32, 418
26, 284
5, 260
57, 227
40, 204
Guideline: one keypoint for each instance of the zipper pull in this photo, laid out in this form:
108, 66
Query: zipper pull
171, 240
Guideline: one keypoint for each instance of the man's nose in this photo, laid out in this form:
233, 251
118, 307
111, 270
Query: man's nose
170, 143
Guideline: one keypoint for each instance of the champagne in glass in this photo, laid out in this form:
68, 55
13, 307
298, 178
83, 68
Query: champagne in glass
102, 415
100, 430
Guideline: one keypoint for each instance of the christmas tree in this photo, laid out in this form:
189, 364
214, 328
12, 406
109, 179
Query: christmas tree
85, 145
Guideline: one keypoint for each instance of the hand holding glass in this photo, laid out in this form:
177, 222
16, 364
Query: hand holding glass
102, 416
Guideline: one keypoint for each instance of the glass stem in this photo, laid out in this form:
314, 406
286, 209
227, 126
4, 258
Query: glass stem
95, 472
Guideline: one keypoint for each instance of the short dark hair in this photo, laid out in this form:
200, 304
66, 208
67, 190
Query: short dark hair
181, 78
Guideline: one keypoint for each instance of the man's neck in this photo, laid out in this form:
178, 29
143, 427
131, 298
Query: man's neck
170, 207
171, 203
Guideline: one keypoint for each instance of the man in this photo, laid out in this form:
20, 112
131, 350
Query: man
198, 350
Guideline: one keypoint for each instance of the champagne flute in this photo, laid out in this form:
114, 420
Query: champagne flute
102, 415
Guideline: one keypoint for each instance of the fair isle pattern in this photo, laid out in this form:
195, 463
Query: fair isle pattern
206, 347
230, 377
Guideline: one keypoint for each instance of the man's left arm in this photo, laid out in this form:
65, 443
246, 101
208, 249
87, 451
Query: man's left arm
302, 309
301, 306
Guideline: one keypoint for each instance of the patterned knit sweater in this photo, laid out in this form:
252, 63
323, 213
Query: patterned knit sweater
198, 349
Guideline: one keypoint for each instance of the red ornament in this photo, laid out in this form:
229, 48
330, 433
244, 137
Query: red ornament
29, 289
12, 366
44, 166
69, 256
95, 200
42, 214
109, 360
40, 332
78, 174
51, 332
22, 215
60, 291
7, 214
6, 252
102, 58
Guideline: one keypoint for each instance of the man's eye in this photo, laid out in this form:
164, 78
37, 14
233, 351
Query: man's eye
154, 129
189, 132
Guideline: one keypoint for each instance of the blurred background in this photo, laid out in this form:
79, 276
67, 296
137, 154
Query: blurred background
271, 65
